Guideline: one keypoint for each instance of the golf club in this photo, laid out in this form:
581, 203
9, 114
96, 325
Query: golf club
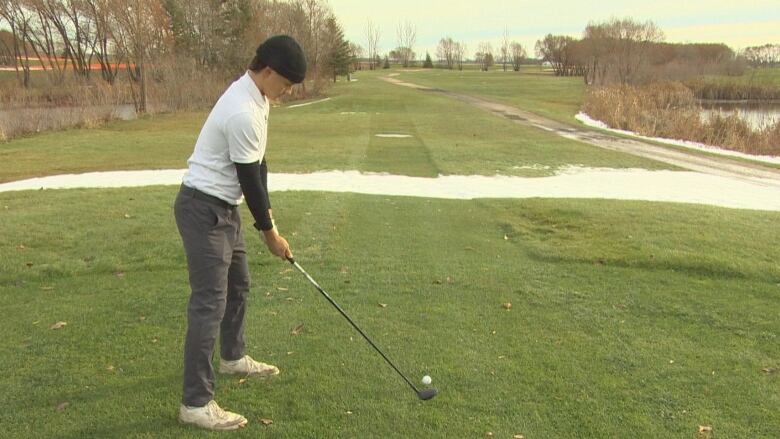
424, 394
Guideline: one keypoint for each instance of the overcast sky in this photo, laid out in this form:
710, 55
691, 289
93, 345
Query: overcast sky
737, 23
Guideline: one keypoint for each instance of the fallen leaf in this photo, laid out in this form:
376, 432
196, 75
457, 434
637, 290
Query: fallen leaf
20, 247
383, 305
506, 238
155, 340
58, 325
507, 306
285, 271
47, 288
142, 318
29, 264
281, 288
769, 370
348, 412
437, 282
344, 270
36, 322
289, 299
705, 429
127, 216
62, 406
297, 330
242, 381
120, 274
290, 353
449, 280
110, 368
266, 421
468, 248
518, 436
489, 434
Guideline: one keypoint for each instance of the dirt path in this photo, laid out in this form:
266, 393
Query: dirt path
722, 167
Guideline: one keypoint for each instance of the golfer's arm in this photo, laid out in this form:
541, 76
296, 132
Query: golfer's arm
253, 178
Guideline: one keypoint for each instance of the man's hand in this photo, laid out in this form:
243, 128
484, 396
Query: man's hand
276, 243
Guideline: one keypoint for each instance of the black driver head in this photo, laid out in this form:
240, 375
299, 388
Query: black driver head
426, 394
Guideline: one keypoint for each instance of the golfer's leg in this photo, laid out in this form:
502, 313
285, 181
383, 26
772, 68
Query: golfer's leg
232, 330
206, 246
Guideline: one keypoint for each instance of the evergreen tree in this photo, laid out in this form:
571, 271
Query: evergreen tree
387, 63
340, 56
428, 64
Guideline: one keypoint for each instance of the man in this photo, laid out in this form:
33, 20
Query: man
227, 167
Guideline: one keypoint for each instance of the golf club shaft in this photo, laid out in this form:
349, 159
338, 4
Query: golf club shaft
336, 305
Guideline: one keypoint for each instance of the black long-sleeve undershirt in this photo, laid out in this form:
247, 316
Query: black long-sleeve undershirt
253, 178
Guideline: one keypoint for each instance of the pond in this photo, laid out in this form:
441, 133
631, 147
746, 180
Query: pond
757, 114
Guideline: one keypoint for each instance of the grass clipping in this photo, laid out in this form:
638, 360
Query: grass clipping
670, 110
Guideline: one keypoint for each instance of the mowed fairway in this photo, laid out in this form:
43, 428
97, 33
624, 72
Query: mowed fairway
447, 137
627, 319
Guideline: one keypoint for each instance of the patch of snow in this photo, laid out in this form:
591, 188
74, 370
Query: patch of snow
308, 103
570, 182
393, 136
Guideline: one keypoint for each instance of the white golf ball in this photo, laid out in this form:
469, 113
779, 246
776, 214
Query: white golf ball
426, 380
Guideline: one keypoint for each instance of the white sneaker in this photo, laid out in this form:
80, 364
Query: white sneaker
211, 417
247, 366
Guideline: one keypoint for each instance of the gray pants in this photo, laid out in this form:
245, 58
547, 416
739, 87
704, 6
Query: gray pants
219, 281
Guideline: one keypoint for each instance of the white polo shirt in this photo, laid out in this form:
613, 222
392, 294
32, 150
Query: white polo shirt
235, 132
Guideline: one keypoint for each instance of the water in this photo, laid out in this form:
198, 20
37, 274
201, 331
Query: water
757, 115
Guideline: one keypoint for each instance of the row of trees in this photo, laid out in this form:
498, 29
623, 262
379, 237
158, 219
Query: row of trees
625, 51
767, 55
143, 37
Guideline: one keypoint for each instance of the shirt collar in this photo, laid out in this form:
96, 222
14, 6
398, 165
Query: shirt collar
251, 87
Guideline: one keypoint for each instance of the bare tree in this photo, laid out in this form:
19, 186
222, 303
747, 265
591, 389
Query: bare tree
446, 52
556, 50
356, 52
407, 35
504, 51
372, 35
767, 55
460, 54
484, 56
142, 34
618, 48
19, 19
102, 44
518, 55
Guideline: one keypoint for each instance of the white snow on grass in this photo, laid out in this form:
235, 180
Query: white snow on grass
573, 182
308, 103
393, 136
587, 120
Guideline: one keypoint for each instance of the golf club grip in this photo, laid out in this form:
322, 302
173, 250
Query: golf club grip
354, 325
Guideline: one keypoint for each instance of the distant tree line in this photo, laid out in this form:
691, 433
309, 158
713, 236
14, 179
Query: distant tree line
767, 55
625, 51
146, 37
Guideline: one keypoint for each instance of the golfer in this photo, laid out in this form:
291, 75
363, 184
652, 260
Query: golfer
227, 167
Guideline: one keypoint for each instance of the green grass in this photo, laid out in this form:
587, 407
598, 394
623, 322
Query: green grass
628, 319
448, 137
531, 89
752, 76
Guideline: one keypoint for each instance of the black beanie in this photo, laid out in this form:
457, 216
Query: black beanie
283, 54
